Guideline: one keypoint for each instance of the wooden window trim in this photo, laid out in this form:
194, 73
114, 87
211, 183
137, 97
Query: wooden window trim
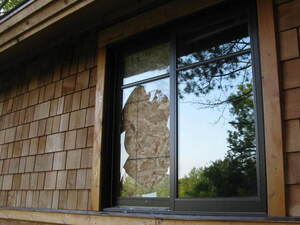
256, 206
120, 31
270, 87
97, 146
272, 109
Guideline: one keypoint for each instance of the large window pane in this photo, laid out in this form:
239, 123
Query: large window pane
145, 147
146, 63
217, 146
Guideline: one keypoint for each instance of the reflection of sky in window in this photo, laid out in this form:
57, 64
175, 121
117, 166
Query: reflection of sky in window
203, 129
145, 75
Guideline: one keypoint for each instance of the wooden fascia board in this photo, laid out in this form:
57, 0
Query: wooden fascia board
38, 19
23, 14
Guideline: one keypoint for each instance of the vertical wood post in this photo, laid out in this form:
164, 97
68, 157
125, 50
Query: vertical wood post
272, 109
96, 164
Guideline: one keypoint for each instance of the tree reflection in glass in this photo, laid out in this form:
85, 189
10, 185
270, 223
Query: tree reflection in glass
217, 147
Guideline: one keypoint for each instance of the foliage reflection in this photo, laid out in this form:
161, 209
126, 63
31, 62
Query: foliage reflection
218, 95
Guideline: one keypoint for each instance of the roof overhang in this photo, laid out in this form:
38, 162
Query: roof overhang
41, 23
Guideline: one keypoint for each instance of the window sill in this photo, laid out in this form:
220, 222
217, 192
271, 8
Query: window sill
53, 215
163, 213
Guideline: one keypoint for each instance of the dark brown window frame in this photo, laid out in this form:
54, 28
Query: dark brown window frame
216, 206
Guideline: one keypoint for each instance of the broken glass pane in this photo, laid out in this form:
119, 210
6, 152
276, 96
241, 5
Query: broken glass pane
145, 147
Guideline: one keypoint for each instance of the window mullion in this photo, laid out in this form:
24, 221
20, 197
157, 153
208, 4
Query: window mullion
173, 123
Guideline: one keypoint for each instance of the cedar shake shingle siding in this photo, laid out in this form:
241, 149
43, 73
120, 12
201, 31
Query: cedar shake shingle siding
46, 129
288, 19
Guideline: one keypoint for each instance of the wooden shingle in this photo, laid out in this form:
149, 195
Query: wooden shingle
85, 98
68, 101
64, 122
76, 101
33, 129
61, 182
72, 199
43, 162
77, 119
73, 159
70, 140
82, 199
42, 111
41, 180
34, 143
81, 138
25, 179
59, 162
45, 199
71, 179
55, 142
56, 124
82, 81
90, 115
30, 163
68, 85
80, 180
289, 44
50, 180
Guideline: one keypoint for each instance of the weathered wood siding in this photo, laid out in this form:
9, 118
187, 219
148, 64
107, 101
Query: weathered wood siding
288, 19
46, 128
18, 222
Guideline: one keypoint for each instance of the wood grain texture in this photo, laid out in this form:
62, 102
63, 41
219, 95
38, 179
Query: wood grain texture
272, 110
17, 222
293, 197
166, 13
36, 141
100, 219
291, 75
288, 15
36, 18
292, 136
293, 168
288, 24
98, 127
292, 103
289, 44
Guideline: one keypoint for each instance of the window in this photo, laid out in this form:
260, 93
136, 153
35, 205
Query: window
186, 127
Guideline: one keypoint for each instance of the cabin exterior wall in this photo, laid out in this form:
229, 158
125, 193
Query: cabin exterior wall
47, 120
46, 128
288, 24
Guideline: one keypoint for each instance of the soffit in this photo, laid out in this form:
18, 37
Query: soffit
45, 22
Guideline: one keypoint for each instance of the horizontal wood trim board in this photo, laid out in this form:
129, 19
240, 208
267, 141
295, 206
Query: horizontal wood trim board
272, 110
55, 18
38, 20
21, 15
174, 10
101, 219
